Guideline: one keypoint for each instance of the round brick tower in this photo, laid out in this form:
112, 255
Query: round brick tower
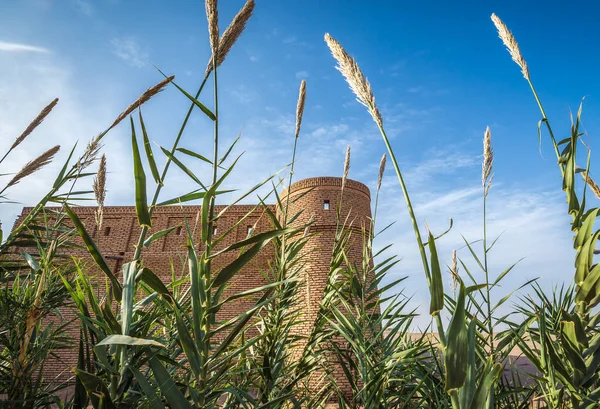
319, 198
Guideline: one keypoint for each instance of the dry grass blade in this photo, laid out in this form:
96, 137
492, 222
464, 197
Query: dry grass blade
34, 166
100, 190
149, 93
212, 15
511, 44
355, 78
231, 34
300, 106
35, 123
346, 167
381, 171
488, 160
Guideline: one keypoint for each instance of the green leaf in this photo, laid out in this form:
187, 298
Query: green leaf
199, 104
196, 194
94, 252
31, 261
194, 155
228, 150
147, 388
141, 201
155, 283
457, 347
149, 153
492, 372
96, 390
230, 270
167, 385
60, 178
158, 235
129, 273
183, 167
118, 339
257, 238
187, 343
437, 284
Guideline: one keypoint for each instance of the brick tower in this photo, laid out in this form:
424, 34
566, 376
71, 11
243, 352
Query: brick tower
319, 198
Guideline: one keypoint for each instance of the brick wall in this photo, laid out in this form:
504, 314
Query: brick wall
318, 197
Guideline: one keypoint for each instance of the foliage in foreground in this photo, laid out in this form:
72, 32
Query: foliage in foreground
147, 343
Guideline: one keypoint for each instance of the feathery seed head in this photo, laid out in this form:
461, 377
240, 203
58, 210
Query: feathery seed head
34, 165
231, 34
35, 123
488, 160
91, 152
346, 167
300, 106
381, 171
310, 222
454, 271
212, 15
100, 190
149, 93
511, 44
355, 78
590, 182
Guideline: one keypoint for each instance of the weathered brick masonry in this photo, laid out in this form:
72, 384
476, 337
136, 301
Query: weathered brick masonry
321, 195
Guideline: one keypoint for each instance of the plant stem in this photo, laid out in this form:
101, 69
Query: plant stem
415, 226
490, 398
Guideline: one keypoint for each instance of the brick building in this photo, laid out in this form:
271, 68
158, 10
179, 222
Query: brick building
317, 197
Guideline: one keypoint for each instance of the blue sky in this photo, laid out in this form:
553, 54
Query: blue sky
439, 73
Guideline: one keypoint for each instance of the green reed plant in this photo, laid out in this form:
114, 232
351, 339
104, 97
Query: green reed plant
568, 357
209, 347
31, 258
467, 384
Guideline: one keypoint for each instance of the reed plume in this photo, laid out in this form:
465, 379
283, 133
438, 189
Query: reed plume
231, 34
454, 271
35, 123
590, 182
381, 171
212, 15
149, 93
307, 228
355, 78
100, 190
488, 160
33, 166
300, 106
346, 167
511, 44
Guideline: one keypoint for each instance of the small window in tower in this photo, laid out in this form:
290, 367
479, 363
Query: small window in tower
250, 230
107, 230
326, 205
214, 230
178, 231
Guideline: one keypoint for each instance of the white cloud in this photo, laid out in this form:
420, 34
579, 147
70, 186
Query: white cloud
532, 222
129, 50
71, 120
16, 47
